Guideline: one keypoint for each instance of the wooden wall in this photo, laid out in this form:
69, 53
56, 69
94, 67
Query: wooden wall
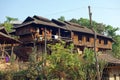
37, 33
23, 30
30, 33
114, 73
26, 38
100, 42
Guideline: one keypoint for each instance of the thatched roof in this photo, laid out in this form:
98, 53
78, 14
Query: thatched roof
76, 27
109, 58
28, 19
37, 20
61, 24
72, 26
6, 39
2, 29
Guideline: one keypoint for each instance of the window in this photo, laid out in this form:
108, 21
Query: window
100, 41
87, 39
41, 30
105, 42
80, 37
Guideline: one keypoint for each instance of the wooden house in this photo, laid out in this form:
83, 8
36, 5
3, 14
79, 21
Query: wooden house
6, 43
83, 37
5, 38
112, 70
36, 29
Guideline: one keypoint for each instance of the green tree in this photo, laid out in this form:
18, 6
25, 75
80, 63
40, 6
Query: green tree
35, 67
99, 27
62, 18
89, 65
63, 64
116, 47
8, 26
111, 31
75, 21
71, 66
8, 19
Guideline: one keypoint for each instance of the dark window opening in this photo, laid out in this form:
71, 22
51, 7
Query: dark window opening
66, 34
100, 41
105, 42
41, 31
87, 39
80, 37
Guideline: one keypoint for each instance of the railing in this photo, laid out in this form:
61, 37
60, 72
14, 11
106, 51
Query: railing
89, 44
54, 37
66, 38
82, 43
104, 46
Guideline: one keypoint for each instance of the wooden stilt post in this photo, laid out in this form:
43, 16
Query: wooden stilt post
59, 34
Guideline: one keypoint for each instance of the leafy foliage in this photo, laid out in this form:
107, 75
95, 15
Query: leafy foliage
89, 64
116, 47
111, 31
8, 26
62, 18
63, 64
66, 65
35, 67
99, 27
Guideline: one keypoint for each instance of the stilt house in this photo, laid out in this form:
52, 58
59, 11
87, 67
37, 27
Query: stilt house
36, 30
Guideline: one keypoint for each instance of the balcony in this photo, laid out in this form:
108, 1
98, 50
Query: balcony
91, 44
83, 43
105, 46
53, 38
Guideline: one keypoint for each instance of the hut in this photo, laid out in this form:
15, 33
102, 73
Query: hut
7, 43
112, 70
